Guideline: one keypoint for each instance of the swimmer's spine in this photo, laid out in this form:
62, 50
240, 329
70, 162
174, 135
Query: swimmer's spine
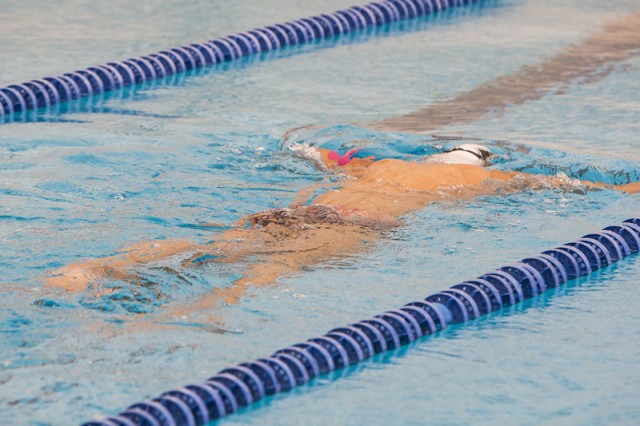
242, 385
50, 91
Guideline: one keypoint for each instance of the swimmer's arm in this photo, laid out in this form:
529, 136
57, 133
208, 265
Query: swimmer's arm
563, 182
630, 188
539, 181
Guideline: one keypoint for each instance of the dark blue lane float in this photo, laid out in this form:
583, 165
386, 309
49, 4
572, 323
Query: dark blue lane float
249, 382
96, 80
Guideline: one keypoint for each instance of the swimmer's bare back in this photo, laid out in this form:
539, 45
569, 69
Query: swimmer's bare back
588, 61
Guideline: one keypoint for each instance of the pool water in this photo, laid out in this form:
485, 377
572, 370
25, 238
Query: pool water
188, 159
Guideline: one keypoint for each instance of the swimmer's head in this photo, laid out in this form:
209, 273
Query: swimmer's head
467, 153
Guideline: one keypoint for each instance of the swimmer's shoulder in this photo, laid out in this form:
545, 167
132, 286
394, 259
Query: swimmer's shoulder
416, 166
501, 175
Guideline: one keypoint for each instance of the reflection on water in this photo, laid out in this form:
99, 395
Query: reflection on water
96, 104
585, 63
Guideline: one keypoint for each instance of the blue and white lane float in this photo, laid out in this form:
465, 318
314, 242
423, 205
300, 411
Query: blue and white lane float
249, 382
50, 91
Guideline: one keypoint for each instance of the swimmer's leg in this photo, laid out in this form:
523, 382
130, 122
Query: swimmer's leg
78, 276
284, 258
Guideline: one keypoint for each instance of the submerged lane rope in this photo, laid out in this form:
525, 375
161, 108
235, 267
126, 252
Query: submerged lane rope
49, 91
249, 382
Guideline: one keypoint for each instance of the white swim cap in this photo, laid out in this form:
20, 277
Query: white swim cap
467, 153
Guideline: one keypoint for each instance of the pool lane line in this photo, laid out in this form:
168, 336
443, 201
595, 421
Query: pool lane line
236, 387
48, 92
100, 103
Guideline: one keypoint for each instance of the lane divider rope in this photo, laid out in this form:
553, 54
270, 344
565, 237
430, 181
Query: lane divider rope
249, 382
96, 80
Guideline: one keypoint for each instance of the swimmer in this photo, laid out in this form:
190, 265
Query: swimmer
371, 198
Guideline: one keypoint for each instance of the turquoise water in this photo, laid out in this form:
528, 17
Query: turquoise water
167, 162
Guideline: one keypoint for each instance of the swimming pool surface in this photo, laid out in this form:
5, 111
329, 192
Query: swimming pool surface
187, 160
